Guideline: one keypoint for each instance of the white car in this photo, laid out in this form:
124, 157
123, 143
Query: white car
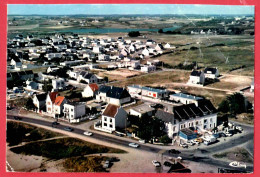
184, 145
133, 145
141, 141
88, 133
228, 134
156, 163
190, 143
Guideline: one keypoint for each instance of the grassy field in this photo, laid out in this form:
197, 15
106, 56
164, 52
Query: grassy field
16, 133
212, 51
156, 78
236, 154
84, 164
64, 148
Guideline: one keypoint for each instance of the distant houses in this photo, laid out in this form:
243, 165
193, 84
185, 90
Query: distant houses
113, 95
147, 91
211, 73
90, 90
197, 77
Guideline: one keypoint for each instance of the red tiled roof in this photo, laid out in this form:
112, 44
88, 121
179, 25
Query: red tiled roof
111, 110
53, 96
59, 100
94, 87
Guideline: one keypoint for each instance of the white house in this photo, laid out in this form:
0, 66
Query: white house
252, 87
39, 101
90, 90
16, 62
73, 74
141, 110
148, 68
74, 111
58, 105
58, 83
201, 118
197, 77
185, 98
52, 69
50, 101
114, 116
146, 52
50, 56
211, 73
113, 95
87, 77
147, 91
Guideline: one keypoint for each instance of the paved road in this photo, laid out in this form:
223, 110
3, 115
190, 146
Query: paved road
196, 155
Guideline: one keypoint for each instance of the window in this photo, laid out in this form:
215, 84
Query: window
105, 119
71, 116
205, 121
205, 126
71, 110
49, 103
111, 125
173, 128
210, 119
110, 120
105, 124
197, 122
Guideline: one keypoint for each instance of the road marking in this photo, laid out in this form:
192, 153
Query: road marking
8, 165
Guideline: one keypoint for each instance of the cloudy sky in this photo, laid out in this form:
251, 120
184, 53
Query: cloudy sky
106, 9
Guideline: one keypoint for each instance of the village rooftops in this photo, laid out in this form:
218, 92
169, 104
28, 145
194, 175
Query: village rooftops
210, 70
195, 73
148, 89
164, 116
59, 100
187, 131
186, 96
76, 103
41, 97
111, 110
143, 108
53, 96
188, 111
114, 92
94, 87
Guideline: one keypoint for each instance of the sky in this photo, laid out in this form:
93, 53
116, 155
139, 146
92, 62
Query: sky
106, 9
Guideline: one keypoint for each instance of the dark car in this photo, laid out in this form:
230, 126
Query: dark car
69, 129
174, 151
55, 123
17, 118
167, 164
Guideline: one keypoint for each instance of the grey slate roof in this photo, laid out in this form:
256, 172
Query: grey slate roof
164, 116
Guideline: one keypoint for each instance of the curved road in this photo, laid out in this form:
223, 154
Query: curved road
195, 155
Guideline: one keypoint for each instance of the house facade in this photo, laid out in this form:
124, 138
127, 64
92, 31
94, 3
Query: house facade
197, 77
74, 111
113, 95
39, 101
114, 116
185, 98
211, 73
90, 90
147, 91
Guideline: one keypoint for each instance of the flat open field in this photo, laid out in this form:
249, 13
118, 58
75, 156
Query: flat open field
225, 52
157, 78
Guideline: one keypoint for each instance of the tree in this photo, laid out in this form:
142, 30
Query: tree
134, 34
223, 106
29, 104
47, 87
160, 31
165, 139
234, 104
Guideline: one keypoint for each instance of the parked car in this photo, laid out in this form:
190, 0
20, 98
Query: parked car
106, 164
156, 163
221, 134
195, 142
17, 118
167, 164
69, 129
88, 133
200, 140
174, 151
55, 123
141, 141
183, 145
133, 145
190, 143
239, 128
228, 134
